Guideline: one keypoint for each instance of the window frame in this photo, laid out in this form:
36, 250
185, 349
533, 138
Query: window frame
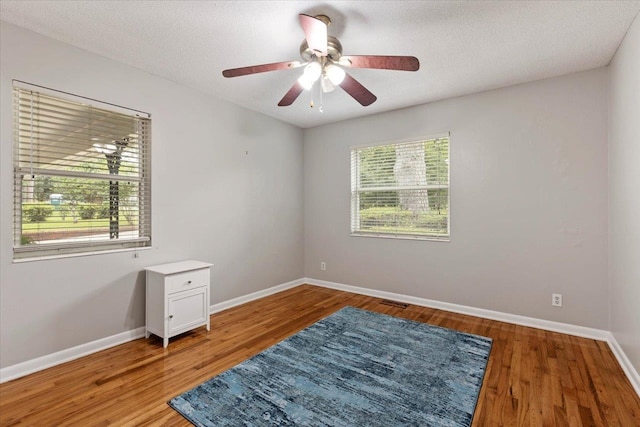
354, 204
90, 245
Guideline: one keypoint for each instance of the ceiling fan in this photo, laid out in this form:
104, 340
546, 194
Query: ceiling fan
323, 60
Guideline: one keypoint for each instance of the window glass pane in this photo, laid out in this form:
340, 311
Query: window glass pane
66, 209
401, 189
377, 166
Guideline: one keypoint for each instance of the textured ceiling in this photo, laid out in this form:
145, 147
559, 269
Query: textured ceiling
463, 47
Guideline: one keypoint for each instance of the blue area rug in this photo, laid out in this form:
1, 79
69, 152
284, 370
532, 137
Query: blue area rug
353, 368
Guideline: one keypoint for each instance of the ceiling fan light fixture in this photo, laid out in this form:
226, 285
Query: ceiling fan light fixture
327, 85
311, 73
335, 74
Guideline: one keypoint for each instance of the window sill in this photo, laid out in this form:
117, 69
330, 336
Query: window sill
403, 237
74, 255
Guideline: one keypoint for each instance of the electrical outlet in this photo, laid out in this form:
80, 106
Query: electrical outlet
323, 266
556, 300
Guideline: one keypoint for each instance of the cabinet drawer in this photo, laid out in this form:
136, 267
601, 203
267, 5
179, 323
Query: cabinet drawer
188, 280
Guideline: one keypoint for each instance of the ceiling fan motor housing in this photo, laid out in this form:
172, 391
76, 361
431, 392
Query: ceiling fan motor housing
334, 49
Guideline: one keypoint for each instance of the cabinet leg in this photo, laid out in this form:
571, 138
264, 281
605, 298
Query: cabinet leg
165, 342
146, 333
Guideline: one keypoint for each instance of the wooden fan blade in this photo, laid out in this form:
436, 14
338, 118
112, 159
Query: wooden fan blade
357, 91
401, 63
291, 95
315, 31
254, 69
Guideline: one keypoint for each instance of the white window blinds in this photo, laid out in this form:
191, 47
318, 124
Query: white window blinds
82, 180
401, 189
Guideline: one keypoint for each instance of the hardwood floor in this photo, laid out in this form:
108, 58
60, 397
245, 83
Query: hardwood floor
533, 378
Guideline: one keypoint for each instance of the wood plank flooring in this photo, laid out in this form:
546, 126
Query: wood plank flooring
533, 378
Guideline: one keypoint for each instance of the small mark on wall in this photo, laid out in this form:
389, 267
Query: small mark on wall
572, 235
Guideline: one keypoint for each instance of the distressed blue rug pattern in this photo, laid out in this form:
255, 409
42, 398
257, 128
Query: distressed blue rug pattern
353, 368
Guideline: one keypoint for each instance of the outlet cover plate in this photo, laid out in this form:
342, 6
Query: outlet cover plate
556, 300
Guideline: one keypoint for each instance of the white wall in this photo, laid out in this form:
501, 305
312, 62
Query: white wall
211, 202
624, 194
528, 202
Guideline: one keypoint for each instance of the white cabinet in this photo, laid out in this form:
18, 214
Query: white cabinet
177, 298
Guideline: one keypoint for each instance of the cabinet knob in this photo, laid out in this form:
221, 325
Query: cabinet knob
189, 282
171, 316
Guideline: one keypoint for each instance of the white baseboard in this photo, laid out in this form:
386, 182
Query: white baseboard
548, 325
625, 363
215, 308
565, 328
38, 364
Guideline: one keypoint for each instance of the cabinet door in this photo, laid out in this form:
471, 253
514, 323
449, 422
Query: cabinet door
187, 310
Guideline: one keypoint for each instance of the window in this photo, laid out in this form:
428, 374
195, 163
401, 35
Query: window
401, 189
81, 176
